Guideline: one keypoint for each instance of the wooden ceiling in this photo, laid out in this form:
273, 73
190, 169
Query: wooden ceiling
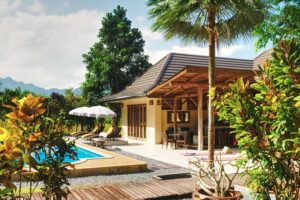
187, 81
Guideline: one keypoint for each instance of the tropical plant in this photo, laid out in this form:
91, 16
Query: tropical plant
115, 60
29, 133
265, 116
208, 21
283, 24
215, 182
53, 170
6, 96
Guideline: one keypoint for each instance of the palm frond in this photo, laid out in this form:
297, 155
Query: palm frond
187, 19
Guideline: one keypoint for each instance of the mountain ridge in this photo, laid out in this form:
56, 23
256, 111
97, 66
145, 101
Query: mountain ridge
9, 83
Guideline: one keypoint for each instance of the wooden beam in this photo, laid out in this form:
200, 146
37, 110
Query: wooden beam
170, 91
187, 84
195, 77
185, 96
163, 84
200, 119
175, 115
184, 101
172, 106
192, 100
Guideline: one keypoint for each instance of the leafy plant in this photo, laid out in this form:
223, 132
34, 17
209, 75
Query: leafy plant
283, 24
31, 132
220, 182
53, 170
265, 116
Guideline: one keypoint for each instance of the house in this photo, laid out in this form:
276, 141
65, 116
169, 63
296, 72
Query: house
177, 85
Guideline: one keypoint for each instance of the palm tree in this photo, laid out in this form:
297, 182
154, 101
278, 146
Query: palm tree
208, 21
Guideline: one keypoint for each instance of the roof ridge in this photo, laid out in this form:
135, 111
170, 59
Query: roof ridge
147, 70
208, 56
168, 57
262, 53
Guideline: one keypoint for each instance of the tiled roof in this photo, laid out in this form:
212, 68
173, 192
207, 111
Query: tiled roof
261, 58
170, 65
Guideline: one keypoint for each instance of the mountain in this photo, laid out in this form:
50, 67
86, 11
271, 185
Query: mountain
9, 83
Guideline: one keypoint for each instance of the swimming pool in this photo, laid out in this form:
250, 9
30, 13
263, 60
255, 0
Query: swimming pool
83, 154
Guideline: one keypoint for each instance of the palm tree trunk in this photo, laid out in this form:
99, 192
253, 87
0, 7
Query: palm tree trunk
211, 82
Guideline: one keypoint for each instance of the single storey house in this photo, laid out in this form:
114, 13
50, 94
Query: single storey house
176, 87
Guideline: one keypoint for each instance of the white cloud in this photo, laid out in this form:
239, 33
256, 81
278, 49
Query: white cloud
36, 8
155, 55
9, 6
140, 18
66, 3
148, 34
47, 49
223, 51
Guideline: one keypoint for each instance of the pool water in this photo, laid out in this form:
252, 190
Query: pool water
82, 154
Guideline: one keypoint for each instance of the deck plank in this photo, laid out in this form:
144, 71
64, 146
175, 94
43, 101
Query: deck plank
95, 194
122, 194
133, 191
125, 189
105, 194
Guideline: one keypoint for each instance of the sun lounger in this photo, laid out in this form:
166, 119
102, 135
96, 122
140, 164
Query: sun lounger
91, 134
106, 134
113, 134
77, 133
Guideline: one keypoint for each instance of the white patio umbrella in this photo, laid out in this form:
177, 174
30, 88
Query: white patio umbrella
81, 111
100, 112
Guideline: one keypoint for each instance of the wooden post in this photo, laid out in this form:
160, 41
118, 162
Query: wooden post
200, 119
175, 115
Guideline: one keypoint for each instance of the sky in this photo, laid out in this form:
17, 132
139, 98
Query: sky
42, 41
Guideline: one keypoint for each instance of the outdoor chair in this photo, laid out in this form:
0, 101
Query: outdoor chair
91, 134
107, 134
77, 133
183, 141
114, 134
80, 133
103, 136
166, 140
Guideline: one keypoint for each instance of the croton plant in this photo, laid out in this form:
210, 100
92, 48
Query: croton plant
30, 132
265, 117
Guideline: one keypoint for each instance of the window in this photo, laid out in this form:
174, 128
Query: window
182, 116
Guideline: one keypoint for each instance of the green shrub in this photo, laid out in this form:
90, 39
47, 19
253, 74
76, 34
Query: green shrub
265, 116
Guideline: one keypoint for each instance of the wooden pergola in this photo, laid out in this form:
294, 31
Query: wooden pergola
191, 82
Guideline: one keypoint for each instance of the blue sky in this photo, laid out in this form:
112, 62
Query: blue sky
43, 40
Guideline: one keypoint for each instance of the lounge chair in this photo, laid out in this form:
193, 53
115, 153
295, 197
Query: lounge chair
77, 133
104, 136
91, 134
114, 134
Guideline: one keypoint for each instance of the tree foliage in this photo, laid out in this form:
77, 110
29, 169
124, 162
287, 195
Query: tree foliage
30, 133
115, 60
283, 24
188, 19
210, 22
265, 117
6, 96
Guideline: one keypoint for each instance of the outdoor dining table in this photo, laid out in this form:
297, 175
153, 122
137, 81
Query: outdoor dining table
176, 135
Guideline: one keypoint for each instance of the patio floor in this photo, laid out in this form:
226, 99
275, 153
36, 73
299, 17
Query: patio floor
179, 157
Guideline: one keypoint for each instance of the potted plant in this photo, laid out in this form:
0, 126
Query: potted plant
220, 183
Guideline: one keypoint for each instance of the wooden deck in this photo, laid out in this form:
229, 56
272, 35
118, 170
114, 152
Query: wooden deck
166, 189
